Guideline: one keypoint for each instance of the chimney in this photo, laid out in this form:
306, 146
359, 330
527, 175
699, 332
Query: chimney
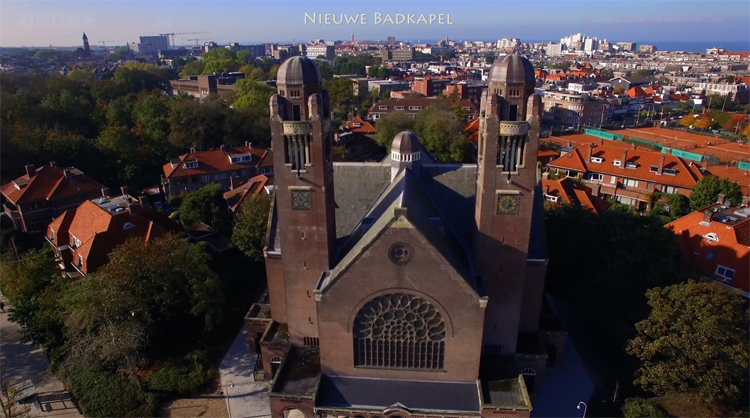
105, 191
124, 190
624, 157
67, 173
248, 144
30, 170
589, 148
221, 147
235, 182
601, 141
595, 189
632, 146
53, 163
745, 200
192, 150
721, 198
661, 164
546, 189
707, 217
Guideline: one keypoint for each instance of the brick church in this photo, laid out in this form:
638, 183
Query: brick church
407, 287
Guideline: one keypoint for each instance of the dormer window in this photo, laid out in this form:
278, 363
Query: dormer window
711, 237
74, 242
597, 160
191, 164
617, 163
383, 107
631, 165
127, 225
551, 198
670, 171
80, 261
654, 168
51, 234
357, 125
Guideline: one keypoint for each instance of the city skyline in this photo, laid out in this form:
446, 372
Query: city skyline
43, 23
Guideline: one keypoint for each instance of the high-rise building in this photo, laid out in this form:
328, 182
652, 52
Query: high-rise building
646, 49
157, 42
418, 291
314, 50
591, 44
392, 41
554, 50
626, 46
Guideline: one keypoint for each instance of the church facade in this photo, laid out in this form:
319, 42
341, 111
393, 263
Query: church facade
405, 288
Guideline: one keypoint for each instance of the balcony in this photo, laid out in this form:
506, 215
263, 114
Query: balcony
297, 128
510, 128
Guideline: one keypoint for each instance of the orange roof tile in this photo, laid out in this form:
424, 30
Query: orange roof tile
49, 183
252, 187
573, 193
217, 160
360, 125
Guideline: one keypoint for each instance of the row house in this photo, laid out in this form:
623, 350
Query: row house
196, 169
83, 239
33, 200
628, 175
413, 106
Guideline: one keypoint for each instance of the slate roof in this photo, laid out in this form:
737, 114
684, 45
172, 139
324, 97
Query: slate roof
414, 395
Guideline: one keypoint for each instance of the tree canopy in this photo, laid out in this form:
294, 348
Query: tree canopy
250, 226
694, 341
391, 124
441, 132
206, 205
706, 191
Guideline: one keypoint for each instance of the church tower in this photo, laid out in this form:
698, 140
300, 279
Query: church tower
86, 48
508, 145
301, 138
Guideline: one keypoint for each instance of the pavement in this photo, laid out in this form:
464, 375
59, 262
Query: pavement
19, 362
246, 398
564, 386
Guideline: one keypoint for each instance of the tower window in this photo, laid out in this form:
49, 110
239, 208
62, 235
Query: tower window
510, 152
294, 94
399, 331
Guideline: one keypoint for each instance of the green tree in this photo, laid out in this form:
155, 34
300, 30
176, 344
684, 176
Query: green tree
639, 407
391, 124
706, 191
205, 205
642, 73
340, 90
694, 341
252, 94
489, 57
250, 226
196, 123
686, 106
32, 285
193, 68
440, 131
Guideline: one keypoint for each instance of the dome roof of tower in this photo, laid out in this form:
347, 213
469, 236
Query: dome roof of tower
512, 69
298, 70
406, 142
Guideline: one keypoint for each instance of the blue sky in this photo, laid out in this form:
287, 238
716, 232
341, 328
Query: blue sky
60, 23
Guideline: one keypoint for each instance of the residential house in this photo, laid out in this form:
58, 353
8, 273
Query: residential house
196, 169
569, 191
716, 240
413, 106
33, 200
628, 82
258, 185
84, 238
628, 175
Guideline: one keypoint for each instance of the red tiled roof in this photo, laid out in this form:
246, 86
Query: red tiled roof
214, 161
100, 231
365, 127
636, 92
573, 193
49, 183
687, 175
732, 249
252, 187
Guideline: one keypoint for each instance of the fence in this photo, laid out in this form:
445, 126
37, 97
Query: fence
742, 165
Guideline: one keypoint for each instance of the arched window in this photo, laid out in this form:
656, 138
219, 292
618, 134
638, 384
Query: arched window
528, 372
399, 331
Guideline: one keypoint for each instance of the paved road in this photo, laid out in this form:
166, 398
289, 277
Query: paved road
564, 386
19, 362
246, 398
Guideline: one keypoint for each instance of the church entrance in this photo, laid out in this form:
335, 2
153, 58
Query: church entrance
275, 363
294, 413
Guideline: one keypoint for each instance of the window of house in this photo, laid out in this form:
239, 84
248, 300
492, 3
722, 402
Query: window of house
630, 183
74, 242
613, 180
80, 261
669, 189
383, 107
398, 107
724, 272
206, 178
649, 186
51, 234
191, 164
356, 124
596, 176
220, 176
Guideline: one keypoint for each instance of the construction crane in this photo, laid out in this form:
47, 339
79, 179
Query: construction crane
104, 43
199, 39
179, 33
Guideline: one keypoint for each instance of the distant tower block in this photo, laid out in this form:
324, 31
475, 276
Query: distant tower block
86, 48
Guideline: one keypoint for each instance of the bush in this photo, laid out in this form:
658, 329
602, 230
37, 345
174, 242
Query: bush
101, 393
181, 377
639, 407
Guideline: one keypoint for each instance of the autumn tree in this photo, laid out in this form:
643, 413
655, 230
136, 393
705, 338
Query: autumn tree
250, 226
694, 341
706, 191
687, 121
702, 122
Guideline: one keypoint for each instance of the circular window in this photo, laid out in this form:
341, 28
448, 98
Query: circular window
401, 253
